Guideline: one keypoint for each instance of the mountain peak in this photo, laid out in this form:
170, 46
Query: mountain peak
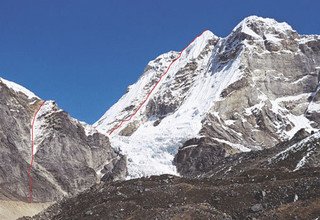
217, 88
197, 46
208, 34
258, 27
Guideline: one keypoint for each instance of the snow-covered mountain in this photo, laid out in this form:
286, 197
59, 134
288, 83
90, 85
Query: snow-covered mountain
219, 96
69, 156
244, 109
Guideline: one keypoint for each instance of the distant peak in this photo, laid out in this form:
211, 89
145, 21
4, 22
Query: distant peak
258, 26
198, 44
204, 37
208, 34
267, 22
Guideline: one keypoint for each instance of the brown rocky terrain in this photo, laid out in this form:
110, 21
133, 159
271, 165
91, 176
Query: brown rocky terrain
256, 194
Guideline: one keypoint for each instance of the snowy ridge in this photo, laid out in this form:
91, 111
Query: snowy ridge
138, 91
135, 93
261, 30
49, 108
17, 88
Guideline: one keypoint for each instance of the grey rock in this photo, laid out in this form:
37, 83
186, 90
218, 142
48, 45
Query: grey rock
66, 161
256, 208
88, 212
245, 116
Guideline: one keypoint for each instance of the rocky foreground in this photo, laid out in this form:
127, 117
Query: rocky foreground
256, 194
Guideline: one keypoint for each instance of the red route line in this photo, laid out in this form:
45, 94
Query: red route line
153, 88
32, 151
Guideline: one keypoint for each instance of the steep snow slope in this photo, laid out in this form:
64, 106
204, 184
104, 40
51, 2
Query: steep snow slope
213, 78
150, 148
139, 91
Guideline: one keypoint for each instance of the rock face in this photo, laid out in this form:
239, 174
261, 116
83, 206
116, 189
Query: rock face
275, 97
248, 91
302, 151
69, 156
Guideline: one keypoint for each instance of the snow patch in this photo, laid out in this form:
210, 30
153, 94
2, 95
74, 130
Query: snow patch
39, 126
18, 89
229, 122
307, 38
303, 161
314, 107
273, 38
294, 148
88, 129
299, 122
236, 146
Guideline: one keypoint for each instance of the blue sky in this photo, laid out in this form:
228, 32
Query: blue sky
84, 54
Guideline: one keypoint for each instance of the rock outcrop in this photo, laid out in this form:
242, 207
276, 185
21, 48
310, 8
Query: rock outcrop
69, 156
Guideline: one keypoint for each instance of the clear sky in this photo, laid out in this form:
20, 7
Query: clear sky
84, 53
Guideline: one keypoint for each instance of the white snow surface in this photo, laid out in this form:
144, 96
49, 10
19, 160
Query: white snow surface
236, 146
151, 149
314, 107
135, 94
18, 88
307, 38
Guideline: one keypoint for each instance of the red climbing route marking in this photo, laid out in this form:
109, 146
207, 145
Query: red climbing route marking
152, 89
32, 151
